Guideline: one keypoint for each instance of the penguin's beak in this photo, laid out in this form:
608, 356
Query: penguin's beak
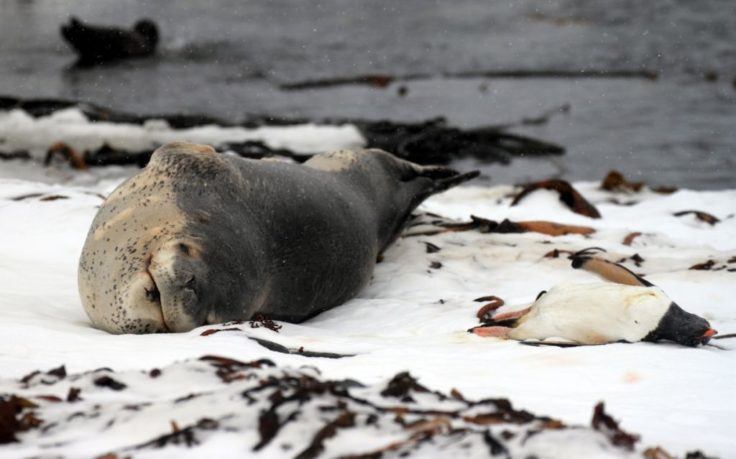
709, 333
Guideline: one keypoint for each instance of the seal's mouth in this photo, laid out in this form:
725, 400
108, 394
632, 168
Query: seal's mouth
153, 294
173, 287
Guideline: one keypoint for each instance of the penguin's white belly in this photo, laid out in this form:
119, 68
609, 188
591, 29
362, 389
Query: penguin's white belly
594, 313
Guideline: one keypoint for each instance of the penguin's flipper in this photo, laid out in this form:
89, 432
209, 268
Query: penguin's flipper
486, 311
610, 271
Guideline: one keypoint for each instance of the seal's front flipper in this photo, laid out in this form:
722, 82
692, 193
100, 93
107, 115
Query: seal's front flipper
610, 271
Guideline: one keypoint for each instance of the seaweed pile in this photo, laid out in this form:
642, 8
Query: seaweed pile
256, 407
428, 142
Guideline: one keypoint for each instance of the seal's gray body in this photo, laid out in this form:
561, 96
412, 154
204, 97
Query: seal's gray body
199, 237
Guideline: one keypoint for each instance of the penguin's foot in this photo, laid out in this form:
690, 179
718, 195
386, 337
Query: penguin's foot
486, 311
510, 316
488, 317
494, 331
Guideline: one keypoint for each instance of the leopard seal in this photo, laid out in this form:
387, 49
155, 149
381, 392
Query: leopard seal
199, 237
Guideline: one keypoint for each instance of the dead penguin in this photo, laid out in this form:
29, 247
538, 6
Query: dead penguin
629, 308
199, 238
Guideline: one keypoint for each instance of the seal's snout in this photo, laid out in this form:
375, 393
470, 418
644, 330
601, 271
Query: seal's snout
173, 269
142, 307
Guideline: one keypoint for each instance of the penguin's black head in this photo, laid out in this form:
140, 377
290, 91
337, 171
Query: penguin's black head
681, 327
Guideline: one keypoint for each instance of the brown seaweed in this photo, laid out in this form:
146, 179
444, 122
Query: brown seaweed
568, 196
484, 225
629, 239
110, 383
616, 182
605, 424
700, 215
14, 418
261, 321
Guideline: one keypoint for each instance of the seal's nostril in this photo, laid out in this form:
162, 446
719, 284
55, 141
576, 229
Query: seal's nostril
153, 294
190, 282
184, 248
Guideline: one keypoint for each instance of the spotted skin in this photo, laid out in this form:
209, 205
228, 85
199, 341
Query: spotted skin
133, 222
198, 237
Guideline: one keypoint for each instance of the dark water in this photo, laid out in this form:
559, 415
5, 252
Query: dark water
228, 58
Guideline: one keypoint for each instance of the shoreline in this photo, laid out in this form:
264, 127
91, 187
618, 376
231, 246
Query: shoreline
56, 132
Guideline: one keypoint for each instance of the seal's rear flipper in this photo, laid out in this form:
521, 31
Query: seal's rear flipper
442, 178
613, 272
446, 178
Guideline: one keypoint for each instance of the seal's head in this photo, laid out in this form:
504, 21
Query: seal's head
157, 257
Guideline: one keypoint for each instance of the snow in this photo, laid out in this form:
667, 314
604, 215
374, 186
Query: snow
410, 318
128, 410
20, 131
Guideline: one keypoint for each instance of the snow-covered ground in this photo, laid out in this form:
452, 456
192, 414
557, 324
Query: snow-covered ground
20, 131
412, 317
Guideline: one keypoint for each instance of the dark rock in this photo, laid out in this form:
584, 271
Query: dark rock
98, 44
